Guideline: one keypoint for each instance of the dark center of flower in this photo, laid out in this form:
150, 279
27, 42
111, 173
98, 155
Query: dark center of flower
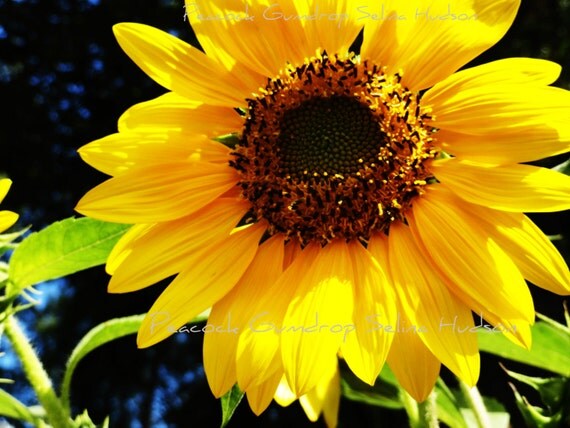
334, 135
333, 149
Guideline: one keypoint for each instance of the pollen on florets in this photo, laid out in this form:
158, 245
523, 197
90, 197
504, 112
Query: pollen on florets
334, 148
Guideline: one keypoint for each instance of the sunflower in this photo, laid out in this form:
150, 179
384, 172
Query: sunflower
7, 218
327, 198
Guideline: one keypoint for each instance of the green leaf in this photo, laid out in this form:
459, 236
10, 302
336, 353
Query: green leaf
12, 408
496, 419
3, 273
6, 240
551, 390
98, 336
534, 416
230, 401
384, 393
564, 167
454, 411
554, 393
448, 406
84, 421
498, 416
61, 249
229, 140
549, 349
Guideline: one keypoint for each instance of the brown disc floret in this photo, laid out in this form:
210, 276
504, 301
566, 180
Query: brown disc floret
335, 148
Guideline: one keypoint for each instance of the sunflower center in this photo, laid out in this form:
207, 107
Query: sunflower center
333, 149
333, 135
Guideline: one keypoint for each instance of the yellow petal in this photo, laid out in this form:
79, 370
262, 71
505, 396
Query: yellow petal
255, 34
514, 328
330, 25
444, 322
318, 316
292, 250
178, 66
207, 278
528, 145
258, 355
161, 250
517, 330
5, 184
413, 364
507, 187
473, 263
160, 192
230, 315
124, 246
525, 71
174, 112
325, 396
539, 260
332, 401
485, 105
531, 250
220, 339
117, 153
7, 219
259, 396
386, 27
283, 395
431, 40
495, 319
365, 349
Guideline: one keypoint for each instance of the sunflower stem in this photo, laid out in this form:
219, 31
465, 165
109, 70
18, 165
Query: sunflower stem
36, 374
428, 411
421, 415
476, 404
411, 407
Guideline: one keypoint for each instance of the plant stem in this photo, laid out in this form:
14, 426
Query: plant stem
421, 415
475, 401
411, 407
428, 411
36, 374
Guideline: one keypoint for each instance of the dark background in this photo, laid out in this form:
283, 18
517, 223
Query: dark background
64, 81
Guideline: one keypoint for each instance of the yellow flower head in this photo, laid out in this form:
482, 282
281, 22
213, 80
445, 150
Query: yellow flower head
371, 201
7, 218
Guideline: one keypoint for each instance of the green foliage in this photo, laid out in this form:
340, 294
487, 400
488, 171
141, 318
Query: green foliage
63, 248
564, 167
7, 239
498, 419
229, 140
549, 351
449, 406
12, 408
544, 418
553, 391
230, 402
84, 421
385, 392
98, 336
551, 342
